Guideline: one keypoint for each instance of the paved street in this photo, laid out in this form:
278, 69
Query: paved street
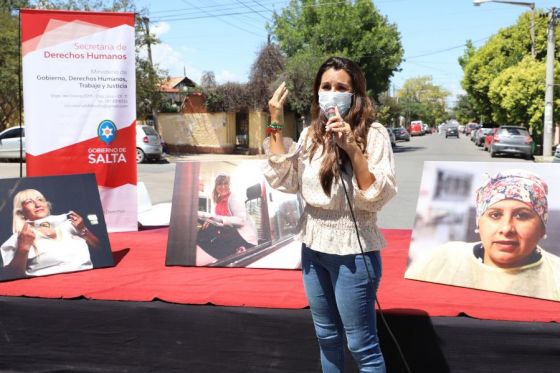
409, 158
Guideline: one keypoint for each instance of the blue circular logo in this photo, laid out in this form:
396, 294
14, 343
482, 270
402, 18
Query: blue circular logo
107, 131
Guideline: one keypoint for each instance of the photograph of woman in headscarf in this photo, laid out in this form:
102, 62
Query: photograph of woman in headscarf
512, 217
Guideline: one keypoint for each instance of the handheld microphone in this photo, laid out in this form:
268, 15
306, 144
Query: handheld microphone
329, 113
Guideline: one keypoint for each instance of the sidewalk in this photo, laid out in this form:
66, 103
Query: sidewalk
174, 158
543, 159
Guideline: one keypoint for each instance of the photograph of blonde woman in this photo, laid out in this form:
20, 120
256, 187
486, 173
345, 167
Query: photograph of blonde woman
512, 220
47, 241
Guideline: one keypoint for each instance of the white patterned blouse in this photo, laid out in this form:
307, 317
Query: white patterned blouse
326, 224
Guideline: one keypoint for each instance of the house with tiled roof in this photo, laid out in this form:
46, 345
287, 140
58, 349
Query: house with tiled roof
174, 89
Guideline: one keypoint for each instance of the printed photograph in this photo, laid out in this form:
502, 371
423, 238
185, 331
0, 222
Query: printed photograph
224, 214
51, 225
489, 226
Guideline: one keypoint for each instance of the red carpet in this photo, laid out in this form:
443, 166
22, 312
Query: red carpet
141, 275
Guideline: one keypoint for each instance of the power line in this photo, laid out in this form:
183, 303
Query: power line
446, 49
223, 20
262, 6
226, 11
253, 10
217, 7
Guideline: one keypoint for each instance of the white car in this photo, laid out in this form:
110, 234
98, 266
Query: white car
556, 158
10, 143
392, 137
148, 144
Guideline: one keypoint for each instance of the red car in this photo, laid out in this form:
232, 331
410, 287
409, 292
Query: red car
415, 128
488, 139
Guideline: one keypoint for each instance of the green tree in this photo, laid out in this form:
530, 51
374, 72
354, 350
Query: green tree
87, 5
504, 50
361, 33
228, 97
265, 71
464, 110
208, 80
265, 74
9, 63
299, 75
420, 99
517, 95
149, 76
389, 110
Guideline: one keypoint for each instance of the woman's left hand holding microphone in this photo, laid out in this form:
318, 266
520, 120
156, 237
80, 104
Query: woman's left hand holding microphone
341, 130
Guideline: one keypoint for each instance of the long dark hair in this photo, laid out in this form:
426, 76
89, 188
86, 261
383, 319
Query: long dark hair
359, 117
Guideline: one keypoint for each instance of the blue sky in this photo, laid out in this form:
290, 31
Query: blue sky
224, 36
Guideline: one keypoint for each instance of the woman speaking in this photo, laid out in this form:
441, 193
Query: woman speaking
343, 150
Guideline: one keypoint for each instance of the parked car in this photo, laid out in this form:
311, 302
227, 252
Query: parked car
392, 137
512, 140
416, 128
401, 134
481, 136
556, 158
556, 155
488, 139
470, 127
10, 143
148, 144
472, 136
452, 132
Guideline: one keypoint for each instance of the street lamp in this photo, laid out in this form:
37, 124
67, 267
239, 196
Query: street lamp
522, 3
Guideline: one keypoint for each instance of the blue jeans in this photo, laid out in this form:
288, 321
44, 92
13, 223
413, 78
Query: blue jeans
342, 303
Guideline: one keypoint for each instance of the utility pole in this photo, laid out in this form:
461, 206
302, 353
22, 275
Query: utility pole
549, 89
148, 39
146, 21
522, 3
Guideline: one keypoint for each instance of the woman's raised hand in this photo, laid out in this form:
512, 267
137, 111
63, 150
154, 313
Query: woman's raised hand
76, 220
276, 103
25, 238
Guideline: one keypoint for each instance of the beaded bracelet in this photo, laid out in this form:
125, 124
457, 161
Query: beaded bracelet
274, 127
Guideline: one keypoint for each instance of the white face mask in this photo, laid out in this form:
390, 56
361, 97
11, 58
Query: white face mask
342, 100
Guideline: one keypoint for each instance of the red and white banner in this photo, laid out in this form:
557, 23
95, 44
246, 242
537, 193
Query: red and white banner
79, 98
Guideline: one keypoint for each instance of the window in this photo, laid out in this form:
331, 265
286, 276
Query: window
149, 131
510, 131
14, 133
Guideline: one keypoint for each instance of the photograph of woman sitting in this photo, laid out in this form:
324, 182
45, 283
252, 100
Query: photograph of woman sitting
229, 230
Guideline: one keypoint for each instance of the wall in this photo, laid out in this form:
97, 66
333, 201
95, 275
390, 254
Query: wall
257, 129
198, 132
215, 132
